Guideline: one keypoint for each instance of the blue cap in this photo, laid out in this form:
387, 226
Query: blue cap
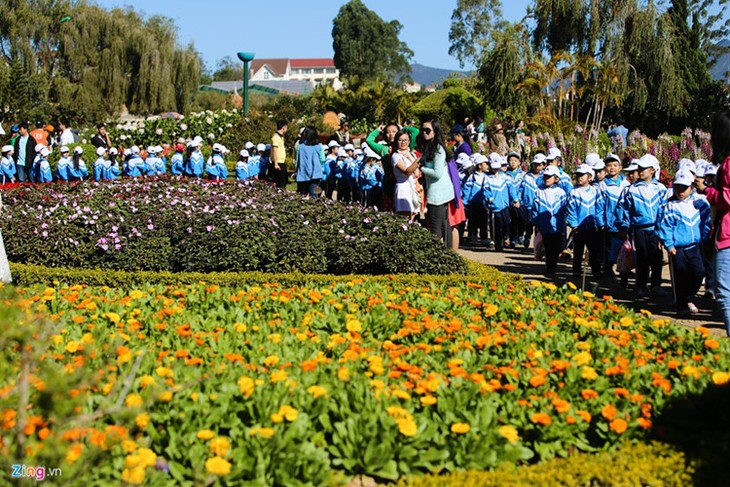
15, 129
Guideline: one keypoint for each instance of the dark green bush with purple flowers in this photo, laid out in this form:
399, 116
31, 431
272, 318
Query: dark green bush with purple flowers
190, 225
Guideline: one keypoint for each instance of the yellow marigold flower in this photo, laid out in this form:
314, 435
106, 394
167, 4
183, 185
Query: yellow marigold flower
129, 446
166, 396
377, 384
134, 400
691, 371
279, 376
428, 400
136, 294
146, 381
142, 420
573, 299
277, 418
407, 426
289, 413
262, 432
353, 325
218, 466
626, 321
401, 394
460, 428
57, 339
147, 457
343, 374
584, 346
490, 310
720, 378
194, 396
107, 388
113, 317
134, 476
589, 373
87, 339
72, 346
317, 391
220, 446
132, 461
582, 358
509, 432
74, 453
247, 385
271, 360
205, 434
275, 338
164, 372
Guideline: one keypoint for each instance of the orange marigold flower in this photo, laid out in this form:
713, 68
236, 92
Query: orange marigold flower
537, 380
585, 415
541, 418
712, 344
643, 423
588, 394
561, 405
609, 412
618, 425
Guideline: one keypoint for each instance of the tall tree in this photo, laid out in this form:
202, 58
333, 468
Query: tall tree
475, 25
367, 46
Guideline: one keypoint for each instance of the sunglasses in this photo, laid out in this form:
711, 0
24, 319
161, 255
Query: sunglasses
426, 131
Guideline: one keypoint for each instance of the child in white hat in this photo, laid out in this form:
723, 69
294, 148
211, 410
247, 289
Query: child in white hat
7, 165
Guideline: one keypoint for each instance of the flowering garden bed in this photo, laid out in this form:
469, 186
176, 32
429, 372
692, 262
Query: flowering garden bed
180, 224
307, 384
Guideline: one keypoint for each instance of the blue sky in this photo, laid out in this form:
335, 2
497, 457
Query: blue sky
303, 29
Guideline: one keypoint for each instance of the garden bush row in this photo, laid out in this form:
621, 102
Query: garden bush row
186, 225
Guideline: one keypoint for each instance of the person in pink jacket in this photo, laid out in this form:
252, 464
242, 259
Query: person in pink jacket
719, 198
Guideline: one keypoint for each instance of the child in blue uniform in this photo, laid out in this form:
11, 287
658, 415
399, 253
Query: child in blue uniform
639, 212
530, 183
155, 166
177, 164
367, 178
548, 216
111, 168
134, 165
499, 196
472, 196
42, 168
195, 163
7, 165
584, 214
242, 166
684, 223
62, 166
215, 168
100, 164
517, 213
612, 188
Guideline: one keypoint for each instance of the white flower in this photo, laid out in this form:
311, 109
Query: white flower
183, 127
158, 131
119, 126
83, 141
141, 131
208, 120
123, 137
211, 136
141, 125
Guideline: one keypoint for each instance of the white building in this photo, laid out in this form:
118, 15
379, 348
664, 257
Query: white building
314, 70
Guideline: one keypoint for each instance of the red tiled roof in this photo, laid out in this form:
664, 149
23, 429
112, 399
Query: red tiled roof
277, 66
313, 63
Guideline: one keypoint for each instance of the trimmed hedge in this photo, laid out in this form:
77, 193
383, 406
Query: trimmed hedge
27, 275
190, 225
633, 464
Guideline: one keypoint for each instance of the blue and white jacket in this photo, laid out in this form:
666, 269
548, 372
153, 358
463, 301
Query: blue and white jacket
216, 167
253, 166
7, 169
584, 208
548, 210
155, 166
640, 206
683, 223
42, 170
99, 168
472, 189
242, 168
499, 193
133, 166
195, 164
528, 188
77, 173
367, 179
62, 168
177, 164
565, 182
612, 190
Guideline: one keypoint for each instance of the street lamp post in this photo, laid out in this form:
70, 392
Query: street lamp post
246, 57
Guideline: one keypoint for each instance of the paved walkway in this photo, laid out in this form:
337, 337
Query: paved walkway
523, 263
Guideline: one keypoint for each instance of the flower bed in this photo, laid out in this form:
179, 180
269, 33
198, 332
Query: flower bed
285, 385
190, 225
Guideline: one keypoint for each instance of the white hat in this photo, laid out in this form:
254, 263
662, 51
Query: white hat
100, 151
39, 147
686, 164
633, 166
585, 169
78, 150
358, 152
551, 171
62, 150
45, 151
198, 139
151, 149
468, 162
333, 143
514, 154
193, 143
684, 177
224, 149
158, 149
539, 159
342, 152
134, 149
600, 165
495, 160
553, 153
243, 153
113, 151
261, 147
8, 148
248, 145
701, 170
462, 159
349, 147
611, 157
647, 160
217, 147
711, 170
369, 154
592, 159
479, 159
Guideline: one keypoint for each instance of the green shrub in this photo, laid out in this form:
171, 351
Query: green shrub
189, 225
633, 464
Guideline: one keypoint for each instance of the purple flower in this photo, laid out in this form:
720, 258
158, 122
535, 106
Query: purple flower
210, 228
150, 227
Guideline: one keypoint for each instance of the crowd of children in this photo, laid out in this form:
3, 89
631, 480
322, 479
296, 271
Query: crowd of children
607, 208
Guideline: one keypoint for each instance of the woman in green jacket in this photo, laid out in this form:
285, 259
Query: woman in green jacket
439, 190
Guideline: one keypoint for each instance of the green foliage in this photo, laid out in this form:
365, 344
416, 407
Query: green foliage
448, 105
367, 46
474, 25
89, 67
632, 464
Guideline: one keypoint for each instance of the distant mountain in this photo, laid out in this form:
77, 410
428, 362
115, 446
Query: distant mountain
722, 65
427, 76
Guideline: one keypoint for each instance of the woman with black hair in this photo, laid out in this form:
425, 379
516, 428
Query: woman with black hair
439, 189
310, 157
719, 198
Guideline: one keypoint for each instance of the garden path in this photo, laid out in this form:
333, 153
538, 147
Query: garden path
521, 262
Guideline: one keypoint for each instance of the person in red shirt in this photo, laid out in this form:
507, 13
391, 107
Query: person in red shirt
40, 134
